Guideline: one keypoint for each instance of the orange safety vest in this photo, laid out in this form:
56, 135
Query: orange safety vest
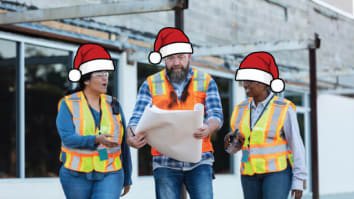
85, 160
164, 97
268, 148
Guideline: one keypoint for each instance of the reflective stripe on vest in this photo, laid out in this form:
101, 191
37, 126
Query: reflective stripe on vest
161, 89
88, 160
199, 81
158, 84
268, 150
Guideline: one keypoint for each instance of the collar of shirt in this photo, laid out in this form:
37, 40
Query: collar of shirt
262, 103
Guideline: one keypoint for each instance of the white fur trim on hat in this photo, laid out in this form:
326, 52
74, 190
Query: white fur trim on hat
74, 75
96, 65
176, 48
253, 74
155, 57
277, 85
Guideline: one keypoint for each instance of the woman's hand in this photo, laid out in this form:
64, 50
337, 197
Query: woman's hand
297, 193
227, 140
104, 140
125, 190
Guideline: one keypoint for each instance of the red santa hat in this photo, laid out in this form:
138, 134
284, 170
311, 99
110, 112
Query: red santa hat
169, 41
260, 67
90, 58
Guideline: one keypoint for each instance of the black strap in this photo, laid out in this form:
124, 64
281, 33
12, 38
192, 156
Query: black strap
117, 109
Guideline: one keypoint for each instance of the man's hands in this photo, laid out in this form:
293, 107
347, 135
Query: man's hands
296, 193
103, 139
202, 132
207, 129
136, 141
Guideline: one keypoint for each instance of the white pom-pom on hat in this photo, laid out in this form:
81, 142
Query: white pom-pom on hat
277, 85
74, 75
155, 57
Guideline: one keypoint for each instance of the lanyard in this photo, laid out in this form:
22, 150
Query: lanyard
260, 115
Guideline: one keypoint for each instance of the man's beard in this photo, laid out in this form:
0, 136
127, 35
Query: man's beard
178, 76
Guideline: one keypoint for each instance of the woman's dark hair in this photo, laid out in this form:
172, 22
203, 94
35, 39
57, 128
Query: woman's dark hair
81, 85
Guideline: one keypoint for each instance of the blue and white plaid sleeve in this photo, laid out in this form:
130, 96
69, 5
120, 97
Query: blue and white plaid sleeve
213, 106
144, 98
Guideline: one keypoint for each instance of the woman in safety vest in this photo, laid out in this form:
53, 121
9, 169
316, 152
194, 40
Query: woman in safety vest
265, 127
96, 159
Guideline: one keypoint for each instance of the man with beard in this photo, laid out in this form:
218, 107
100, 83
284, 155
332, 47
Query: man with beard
179, 87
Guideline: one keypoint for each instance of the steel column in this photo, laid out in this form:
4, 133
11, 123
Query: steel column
20, 110
313, 114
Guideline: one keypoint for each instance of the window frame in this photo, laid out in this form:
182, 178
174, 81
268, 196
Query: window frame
21, 41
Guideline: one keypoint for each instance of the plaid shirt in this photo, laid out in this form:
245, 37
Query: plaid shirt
213, 109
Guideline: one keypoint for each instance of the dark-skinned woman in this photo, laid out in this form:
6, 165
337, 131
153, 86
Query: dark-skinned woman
265, 128
96, 159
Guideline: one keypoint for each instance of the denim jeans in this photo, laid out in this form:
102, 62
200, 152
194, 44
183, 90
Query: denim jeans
94, 185
267, 186
198, 182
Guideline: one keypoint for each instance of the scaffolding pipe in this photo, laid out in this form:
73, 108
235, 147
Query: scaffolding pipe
313, 114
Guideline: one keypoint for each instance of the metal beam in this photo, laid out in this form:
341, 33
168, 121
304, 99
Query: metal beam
339, 91
258, 46
90, 10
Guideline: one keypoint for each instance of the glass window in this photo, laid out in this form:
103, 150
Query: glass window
8, 110
222, 162
144, 155
46, 82
295, 97
301, 121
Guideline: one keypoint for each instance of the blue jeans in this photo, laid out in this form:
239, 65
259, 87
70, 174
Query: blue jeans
267, 186
198, 182
94, 185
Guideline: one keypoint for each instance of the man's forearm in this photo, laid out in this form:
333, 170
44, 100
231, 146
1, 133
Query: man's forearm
213, 125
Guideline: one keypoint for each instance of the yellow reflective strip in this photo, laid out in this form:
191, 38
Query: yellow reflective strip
98, 164
233, 118
282, 162
163, 85
205, 81
68, 160
87, 126
195, 81
117, 163
247, 168
153, 85
86, 164
121, 129
259, 165
281, 121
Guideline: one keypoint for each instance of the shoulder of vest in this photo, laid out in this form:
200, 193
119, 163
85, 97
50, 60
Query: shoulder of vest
73, 96
282, 101
109, 98
243, 103
201, 72
157, 74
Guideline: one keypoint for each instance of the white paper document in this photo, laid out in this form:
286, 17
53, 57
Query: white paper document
171, 131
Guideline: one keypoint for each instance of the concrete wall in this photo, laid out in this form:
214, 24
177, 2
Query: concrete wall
211, 22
